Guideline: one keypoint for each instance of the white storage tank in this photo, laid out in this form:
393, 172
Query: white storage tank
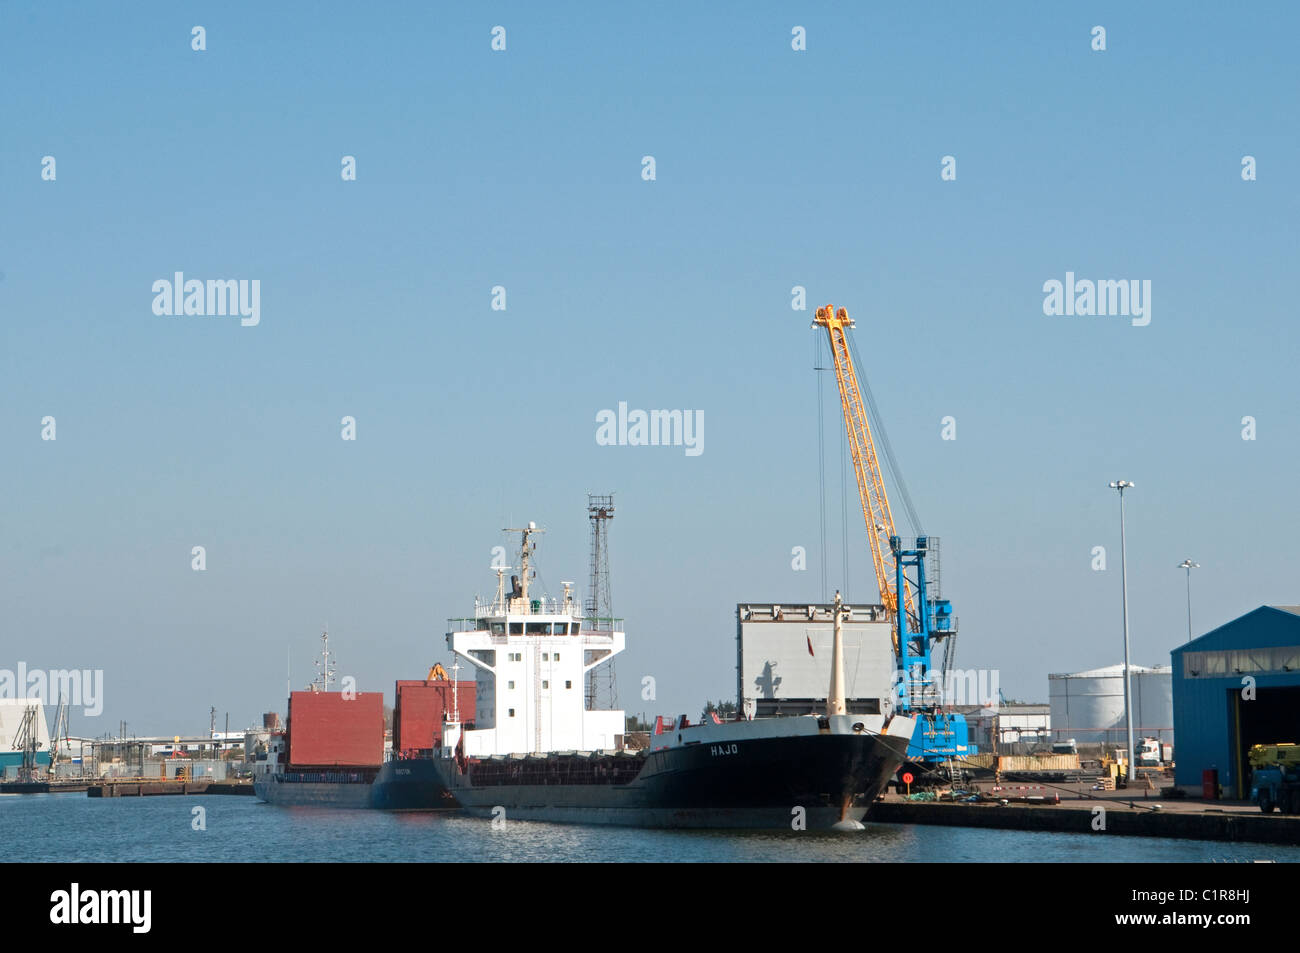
1089, 706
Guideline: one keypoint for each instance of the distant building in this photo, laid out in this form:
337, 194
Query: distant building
1016, 724
1236, 686
231, 740
1089, 706
12, 711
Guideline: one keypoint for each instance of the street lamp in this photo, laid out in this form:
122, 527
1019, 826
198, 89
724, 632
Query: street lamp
1189, 566
1123, 485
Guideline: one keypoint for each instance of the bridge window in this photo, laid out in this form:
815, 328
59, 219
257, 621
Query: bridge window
568, 684
538, 628
516, 628
512, 712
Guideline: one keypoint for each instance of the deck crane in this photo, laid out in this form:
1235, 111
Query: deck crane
919, 621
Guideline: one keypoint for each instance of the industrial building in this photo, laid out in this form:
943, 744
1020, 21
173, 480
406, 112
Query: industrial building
13, 713
1016, 722
1236, 686
1089, 706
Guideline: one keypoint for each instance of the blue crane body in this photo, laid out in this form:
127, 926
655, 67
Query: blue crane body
940, 735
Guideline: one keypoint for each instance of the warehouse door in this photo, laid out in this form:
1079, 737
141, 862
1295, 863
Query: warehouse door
1272, 717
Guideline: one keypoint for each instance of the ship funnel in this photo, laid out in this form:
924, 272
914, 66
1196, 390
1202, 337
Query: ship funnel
835, 701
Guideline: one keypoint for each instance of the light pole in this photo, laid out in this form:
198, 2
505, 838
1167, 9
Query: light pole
1123, 485
1189, 566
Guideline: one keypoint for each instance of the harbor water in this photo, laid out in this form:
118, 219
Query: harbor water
75, 828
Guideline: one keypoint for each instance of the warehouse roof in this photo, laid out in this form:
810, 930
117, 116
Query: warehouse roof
1265, 627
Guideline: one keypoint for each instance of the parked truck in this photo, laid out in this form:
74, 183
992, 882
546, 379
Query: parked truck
1275, 777
1153, 753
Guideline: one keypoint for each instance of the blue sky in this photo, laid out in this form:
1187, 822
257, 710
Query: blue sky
522, 168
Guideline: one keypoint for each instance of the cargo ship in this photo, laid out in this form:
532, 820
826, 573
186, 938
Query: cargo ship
536, 752
332, 751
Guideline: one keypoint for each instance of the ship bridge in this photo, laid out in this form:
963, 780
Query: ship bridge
531, 657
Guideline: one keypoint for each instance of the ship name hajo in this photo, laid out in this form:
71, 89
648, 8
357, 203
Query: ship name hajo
716, 750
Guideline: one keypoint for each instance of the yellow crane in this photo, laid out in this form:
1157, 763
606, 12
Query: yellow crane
866, 467
921, 620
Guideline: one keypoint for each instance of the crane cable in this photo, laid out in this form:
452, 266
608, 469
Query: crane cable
882, 440
844, 507
821, 450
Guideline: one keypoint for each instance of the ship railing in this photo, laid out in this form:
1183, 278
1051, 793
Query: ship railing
487, 610
326, 777
501, 638
520, 607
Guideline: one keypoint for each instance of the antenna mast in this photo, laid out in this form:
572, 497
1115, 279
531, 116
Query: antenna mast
599, 605
324, 666
519, 597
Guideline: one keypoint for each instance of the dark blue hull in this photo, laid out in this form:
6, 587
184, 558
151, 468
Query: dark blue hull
773, 783
407, 785
799, 782
411, 785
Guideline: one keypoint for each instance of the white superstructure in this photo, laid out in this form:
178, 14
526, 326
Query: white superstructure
531, 658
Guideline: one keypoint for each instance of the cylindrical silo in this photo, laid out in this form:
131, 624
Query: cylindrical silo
1089, 706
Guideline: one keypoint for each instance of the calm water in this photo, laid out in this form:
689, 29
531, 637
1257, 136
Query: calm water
74, 827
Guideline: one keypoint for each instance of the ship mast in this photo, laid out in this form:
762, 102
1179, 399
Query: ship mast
525, 558
324, 666
835, 702
500, 602
455, 691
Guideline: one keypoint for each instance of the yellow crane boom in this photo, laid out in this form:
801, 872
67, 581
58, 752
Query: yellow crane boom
871, 485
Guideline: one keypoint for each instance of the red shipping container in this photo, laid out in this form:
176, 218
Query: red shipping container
417, 716
326, 729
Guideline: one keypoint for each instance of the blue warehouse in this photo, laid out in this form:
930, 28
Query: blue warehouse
1236, 686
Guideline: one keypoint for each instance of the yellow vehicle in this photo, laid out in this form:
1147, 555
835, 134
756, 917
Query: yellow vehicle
1275, 777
